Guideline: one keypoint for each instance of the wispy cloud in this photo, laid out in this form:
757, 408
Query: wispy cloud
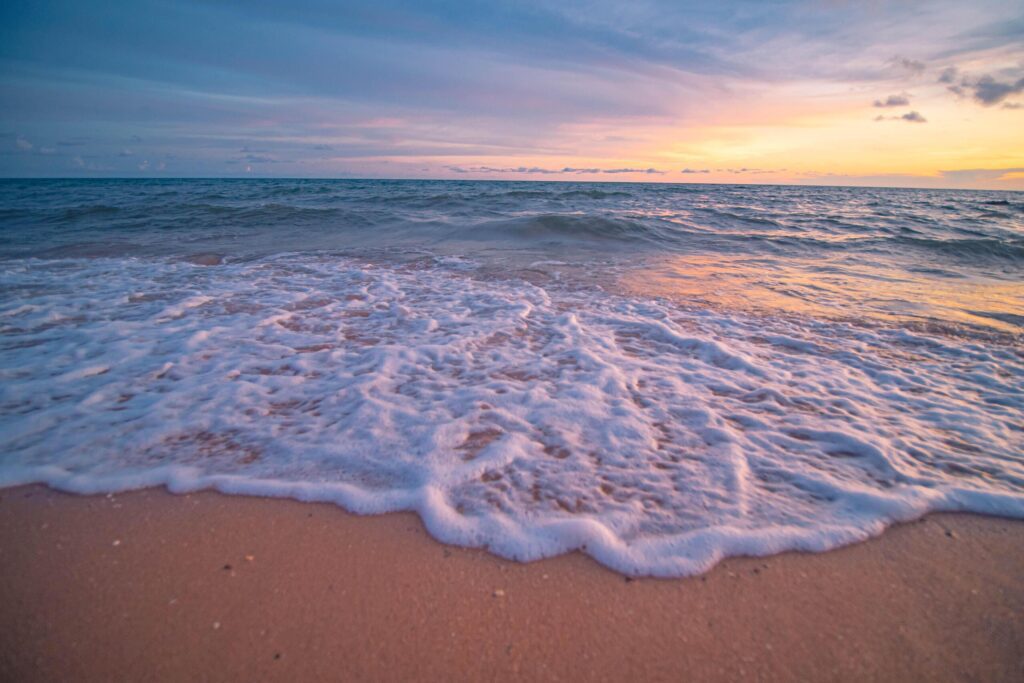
598, 88
1005, 178
893, 101
258, 159
974, 175
756, 171
536, 170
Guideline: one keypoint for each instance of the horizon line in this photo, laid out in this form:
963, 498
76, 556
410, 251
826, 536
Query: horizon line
501, 180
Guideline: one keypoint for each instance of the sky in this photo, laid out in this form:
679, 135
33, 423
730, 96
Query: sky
900, 93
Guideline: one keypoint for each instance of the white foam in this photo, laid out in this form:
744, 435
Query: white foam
533, 421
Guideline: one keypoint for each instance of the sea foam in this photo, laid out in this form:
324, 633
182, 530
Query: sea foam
531, 420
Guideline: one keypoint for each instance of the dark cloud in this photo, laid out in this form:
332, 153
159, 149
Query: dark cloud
893, 101
536, 170
424, 81
989, 91
986, 90
696, 170
911, 66
531, 170
910, 116
949, 75
648, 171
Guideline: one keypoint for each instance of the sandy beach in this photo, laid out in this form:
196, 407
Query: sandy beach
549, 306
154, 586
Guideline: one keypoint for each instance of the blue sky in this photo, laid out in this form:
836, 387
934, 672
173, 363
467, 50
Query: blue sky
726, 91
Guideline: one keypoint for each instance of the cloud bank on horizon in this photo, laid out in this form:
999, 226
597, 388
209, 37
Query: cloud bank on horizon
652, 90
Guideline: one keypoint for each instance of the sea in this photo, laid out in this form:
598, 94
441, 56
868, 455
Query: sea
657, 375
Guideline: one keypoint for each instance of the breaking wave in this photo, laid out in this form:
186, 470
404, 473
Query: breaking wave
529, 420
657, 375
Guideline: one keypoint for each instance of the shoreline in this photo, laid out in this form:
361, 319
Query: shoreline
150, 584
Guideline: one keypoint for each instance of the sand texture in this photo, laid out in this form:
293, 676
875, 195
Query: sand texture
153, 586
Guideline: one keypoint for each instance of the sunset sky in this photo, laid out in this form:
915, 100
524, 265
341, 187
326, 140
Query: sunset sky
920, 94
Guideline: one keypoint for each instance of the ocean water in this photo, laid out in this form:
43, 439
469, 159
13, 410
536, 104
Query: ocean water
657, 375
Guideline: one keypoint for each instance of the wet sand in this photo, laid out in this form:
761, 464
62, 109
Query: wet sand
153, 586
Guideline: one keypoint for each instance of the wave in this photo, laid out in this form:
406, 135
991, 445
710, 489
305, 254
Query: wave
525, 194
88, 211
733, 217
570, 228
592, 194
211, 215
532, 421
1010, 249
284, 212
